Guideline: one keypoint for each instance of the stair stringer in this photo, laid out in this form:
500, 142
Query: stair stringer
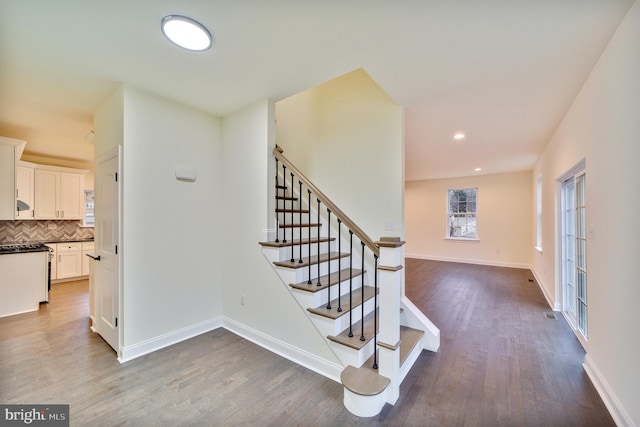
412, 317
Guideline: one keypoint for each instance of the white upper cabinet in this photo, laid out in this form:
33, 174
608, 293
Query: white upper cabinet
24, 191
58, 195
7, 181
10, 151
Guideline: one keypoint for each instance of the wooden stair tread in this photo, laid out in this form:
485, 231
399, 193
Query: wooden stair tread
332, 280
286, 198
363, 381
298, 225
409, 337
333, 312
354, 341
311, 260
281, 187
296, 242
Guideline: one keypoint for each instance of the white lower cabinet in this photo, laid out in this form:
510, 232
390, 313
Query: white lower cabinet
69, 260
87, 248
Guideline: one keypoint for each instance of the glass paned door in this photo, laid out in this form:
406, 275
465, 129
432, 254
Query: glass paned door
574, 262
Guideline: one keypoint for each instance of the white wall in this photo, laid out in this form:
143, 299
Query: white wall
504, 220
270, 311
346, 135
172, 258
602, 126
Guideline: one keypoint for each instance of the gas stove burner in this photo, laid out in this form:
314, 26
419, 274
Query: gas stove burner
25, 247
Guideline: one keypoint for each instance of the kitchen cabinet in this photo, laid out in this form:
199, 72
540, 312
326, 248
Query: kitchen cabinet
24, 191
87, 248
7, 178
58, 195
69, 260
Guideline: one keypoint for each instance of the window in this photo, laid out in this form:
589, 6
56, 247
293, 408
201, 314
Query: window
462, 214
574, 250
89, 219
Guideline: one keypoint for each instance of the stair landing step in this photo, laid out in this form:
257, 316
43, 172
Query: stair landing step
311, 260
409, 338
325, 281
354, 341
295, 242
363, 381
356, 300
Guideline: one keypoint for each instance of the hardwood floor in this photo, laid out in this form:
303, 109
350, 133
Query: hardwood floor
500, 363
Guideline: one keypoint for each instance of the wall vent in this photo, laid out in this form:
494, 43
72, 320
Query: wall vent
550, 315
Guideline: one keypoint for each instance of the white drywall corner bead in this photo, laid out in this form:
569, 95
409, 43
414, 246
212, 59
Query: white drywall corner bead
186, 173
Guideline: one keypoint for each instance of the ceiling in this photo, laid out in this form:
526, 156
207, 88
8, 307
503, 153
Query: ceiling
504, 72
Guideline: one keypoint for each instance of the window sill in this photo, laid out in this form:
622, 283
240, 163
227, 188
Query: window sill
539, 249
461, 239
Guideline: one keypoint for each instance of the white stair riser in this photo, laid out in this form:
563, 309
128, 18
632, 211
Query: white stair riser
350, 356
328, 326
285, 252
316, 299
288, 232
302, 273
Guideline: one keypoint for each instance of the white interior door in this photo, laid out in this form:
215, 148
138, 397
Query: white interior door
106, 279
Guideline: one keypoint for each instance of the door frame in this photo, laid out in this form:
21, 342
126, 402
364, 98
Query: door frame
578, 168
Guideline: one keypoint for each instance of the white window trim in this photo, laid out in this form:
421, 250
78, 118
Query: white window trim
446, 228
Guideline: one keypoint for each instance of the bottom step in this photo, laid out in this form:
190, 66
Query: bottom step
363, 391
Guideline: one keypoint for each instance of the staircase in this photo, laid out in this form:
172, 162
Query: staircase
351, 289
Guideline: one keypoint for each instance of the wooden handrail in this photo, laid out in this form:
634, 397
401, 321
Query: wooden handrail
364, 238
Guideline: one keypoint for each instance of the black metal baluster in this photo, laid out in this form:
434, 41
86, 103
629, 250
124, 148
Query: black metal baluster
309, 243
339, 270
350, 283
375, 314
319, 284
362, 292
329, 264
277, 200
300, 219
300, 226
284, 204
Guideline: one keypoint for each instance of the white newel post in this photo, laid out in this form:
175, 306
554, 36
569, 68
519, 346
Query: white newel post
390, 293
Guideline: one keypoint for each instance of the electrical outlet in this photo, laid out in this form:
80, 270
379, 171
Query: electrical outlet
241, 299
389, 225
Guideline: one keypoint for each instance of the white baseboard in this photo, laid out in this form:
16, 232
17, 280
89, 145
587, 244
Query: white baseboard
619, 415
555, 305
470, 261
145, 347
301, 357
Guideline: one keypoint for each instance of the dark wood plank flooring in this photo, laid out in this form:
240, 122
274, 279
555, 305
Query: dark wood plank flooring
500, 363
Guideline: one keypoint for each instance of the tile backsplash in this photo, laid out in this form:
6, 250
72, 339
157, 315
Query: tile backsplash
42, 231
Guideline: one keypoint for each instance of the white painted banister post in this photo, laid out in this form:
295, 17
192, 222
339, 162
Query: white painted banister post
390, 293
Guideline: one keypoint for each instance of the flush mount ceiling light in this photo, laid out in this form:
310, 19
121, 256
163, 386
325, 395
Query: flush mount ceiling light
458, 136
186, 32
478, 169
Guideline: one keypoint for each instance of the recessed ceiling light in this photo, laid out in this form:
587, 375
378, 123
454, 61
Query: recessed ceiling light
186, 32
459, 136
477, 169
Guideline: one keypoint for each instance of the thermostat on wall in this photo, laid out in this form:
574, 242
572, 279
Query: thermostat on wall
185, 173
